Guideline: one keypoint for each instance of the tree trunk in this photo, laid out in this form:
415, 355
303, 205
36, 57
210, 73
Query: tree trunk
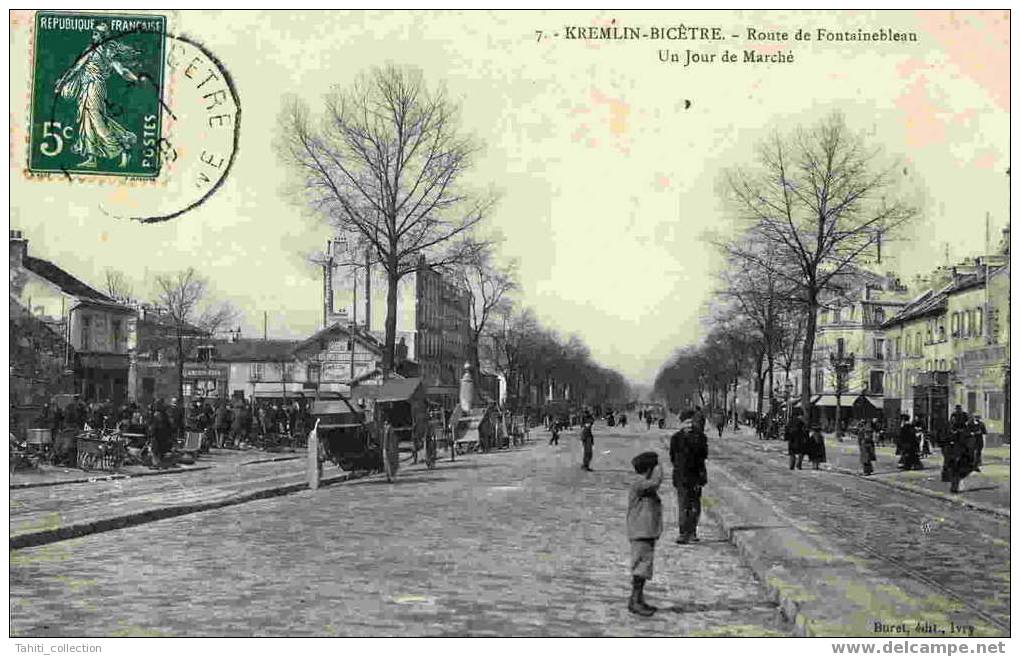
807, 356
772, 383
391, 320
180, 383
760, 380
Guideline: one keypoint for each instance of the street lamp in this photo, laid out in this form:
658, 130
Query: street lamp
841, 364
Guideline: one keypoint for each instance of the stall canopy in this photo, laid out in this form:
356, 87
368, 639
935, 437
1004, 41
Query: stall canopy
393, 390
796, 404
830, 401
875, 402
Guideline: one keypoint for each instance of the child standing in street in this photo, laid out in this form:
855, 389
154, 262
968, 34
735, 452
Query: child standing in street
816, 447
644, 526
554, 427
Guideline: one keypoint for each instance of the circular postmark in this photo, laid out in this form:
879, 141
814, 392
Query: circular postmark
143, 124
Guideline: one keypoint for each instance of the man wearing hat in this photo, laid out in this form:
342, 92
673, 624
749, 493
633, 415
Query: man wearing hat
688, 450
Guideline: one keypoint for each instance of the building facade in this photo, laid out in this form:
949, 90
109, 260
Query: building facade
98, 331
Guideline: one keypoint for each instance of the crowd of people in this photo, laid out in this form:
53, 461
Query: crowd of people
236, 425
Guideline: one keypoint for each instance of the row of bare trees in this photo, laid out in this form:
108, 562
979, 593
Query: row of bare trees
386, 166
811, 210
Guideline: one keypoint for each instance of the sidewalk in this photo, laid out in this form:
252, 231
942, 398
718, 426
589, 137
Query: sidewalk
820, 588
49, 475
72, 508
988, 490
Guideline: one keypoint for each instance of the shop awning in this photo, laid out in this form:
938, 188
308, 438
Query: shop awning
796, 403
391, 391
829, 401
876, 402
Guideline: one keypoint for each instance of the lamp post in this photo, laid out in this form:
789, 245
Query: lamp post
842, 364
787, 388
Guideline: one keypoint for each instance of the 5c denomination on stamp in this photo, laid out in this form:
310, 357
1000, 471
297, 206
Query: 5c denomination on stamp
97, 93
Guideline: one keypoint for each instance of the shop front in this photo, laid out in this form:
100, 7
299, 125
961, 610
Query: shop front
206, 381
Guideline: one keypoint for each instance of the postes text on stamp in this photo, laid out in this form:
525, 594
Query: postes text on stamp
96, 94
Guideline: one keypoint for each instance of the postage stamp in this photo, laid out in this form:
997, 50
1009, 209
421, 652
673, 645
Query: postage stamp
97, 94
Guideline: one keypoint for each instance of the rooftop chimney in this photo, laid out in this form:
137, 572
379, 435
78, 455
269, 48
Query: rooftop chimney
18, 249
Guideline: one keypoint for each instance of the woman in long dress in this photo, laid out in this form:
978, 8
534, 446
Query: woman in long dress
99, 135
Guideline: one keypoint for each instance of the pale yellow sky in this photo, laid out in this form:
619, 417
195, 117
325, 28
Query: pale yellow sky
607, 181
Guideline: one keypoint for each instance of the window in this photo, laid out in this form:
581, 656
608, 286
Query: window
86, 333
837, 315
840, 345
877, 381
879, 314
819, 380
879, 348
955, 325
942, 365
116, 333
971, 402
255, 371
942, 332
928, 334
994, 403
918, 345
898, 347
979, 321
313, 372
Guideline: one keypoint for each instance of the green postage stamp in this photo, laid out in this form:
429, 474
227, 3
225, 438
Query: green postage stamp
97, 94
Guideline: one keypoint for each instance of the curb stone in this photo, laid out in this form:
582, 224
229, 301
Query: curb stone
109, 477
47, 536
920, 490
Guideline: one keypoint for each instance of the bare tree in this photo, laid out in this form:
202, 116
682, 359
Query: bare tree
488, 284
818, 200
117, 286
756, 292
188, 316
385, 166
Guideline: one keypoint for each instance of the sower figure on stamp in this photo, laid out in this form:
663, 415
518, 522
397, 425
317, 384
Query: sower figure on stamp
688, 450
99, 136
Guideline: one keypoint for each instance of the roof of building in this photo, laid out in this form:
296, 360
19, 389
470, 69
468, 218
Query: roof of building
250, 349
316, 340
934, 300
68, 283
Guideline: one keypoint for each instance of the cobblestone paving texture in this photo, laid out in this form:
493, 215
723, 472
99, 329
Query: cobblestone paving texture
963, 552
503, 544
225, 473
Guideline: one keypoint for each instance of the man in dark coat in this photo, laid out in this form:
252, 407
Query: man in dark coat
688, 450
957, 458
221, 423
977, 431
159, 433
907, 446
698, 420
587, 444
797, 440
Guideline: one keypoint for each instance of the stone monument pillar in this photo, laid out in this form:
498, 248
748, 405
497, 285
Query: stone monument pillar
467, 389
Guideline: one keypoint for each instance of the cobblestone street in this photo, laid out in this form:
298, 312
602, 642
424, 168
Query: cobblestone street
508, 543
960, 554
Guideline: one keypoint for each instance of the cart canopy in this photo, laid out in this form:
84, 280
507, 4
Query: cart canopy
394, 390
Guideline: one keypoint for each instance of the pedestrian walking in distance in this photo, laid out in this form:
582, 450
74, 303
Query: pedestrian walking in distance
866, 447
644, 526
720, 422
688, 450
587, 443
796, 439
554, 427
977, 431
816, 447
